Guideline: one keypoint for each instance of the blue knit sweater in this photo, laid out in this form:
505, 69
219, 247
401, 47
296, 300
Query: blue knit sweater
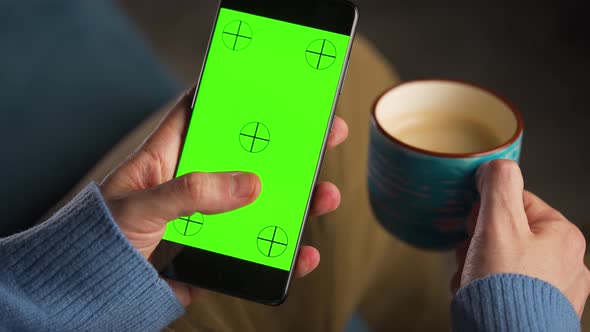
76, 272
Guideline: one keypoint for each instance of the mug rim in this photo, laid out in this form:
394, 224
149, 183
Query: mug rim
509, 142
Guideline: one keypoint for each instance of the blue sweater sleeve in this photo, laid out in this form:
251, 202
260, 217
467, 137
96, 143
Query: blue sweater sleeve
77, 272
512, 302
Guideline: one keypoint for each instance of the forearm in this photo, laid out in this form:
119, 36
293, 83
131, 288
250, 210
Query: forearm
510, 302
77, 271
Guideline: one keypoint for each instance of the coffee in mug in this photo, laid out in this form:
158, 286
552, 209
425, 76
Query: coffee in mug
443, 131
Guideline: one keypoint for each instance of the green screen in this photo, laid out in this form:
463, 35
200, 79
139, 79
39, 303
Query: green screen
263, 106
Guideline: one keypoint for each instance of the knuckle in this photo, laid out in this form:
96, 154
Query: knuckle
195, 185
528, 199
575, 239
503, 168
501, 171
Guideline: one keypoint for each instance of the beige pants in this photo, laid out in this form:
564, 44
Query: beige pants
363, 269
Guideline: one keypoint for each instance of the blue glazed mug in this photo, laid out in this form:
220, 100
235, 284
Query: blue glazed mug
427, 140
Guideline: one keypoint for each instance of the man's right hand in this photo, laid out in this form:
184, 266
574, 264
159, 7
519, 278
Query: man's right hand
514, 231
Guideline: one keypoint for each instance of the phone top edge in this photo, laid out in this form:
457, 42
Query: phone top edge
329, 15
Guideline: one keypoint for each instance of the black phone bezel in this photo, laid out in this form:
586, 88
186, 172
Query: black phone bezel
233, 276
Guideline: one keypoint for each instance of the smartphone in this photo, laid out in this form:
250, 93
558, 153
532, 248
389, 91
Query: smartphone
265, 104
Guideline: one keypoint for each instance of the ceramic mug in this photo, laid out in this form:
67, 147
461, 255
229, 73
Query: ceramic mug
427, 140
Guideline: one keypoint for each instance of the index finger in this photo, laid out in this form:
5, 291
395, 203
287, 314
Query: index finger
538, 211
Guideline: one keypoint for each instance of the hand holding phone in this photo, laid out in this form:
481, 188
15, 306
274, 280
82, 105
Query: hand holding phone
143, 195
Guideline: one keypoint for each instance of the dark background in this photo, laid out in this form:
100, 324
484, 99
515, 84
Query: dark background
535, 54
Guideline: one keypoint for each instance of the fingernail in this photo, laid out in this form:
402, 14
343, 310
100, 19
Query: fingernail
242, 185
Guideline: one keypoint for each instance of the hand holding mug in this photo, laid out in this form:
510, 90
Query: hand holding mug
427, 140
514, 231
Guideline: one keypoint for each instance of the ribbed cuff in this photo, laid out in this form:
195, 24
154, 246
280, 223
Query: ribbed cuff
84, 275
511, 302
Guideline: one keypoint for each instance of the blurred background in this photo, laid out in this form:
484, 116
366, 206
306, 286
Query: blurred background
536, 54
76, 76
110, 58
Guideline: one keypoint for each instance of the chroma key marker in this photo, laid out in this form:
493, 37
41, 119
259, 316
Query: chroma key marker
189, 226
254, 137
237, 35
272, 241
320, 54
